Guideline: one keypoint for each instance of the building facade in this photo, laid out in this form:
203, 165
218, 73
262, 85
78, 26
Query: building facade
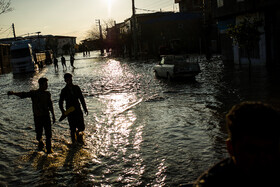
232, 12
58, 44
175, 32
190, 6
209, 37
65, 44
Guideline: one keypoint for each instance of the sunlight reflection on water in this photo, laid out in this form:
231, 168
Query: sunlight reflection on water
113, 69
140, 131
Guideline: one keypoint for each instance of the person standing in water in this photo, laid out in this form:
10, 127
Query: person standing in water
72, 60
73, 97
41, 105
55, 63
63, 62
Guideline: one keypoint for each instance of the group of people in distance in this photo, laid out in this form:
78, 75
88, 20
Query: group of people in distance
42, 106
63, 62
253, 140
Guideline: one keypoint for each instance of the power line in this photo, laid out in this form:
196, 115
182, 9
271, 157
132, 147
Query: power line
168, 7
5, 30
155, 2
146, 10
10, 32
157, 5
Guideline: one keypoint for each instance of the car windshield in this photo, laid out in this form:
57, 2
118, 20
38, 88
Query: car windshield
18, 53
176, 60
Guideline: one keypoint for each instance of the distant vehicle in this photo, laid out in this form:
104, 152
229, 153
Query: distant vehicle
176, 66
22, 60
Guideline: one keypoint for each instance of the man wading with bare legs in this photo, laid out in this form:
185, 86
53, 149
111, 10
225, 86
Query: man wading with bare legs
73, 96
41, 105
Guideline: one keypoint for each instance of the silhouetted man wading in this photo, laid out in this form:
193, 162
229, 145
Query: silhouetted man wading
41, 105
63, 62
73, 96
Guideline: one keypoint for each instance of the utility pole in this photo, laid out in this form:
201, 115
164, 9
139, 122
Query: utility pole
39, 44
14, 31
134, 30
101, 36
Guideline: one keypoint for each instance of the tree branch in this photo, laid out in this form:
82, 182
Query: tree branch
5, 6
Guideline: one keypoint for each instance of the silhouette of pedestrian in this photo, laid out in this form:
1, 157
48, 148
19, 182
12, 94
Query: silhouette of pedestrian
72, 60
41, 105
73, 96
63, 62
55, 63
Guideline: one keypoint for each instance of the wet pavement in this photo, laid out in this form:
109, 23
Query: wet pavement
140, 131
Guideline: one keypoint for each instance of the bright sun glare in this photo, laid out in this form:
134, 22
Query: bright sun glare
109, 2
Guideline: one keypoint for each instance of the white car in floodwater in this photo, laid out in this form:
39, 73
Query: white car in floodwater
176, 66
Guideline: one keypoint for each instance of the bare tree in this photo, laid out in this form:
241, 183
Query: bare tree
5, 6
94, 32
108, 23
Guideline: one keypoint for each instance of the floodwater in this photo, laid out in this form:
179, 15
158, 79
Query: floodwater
140, 131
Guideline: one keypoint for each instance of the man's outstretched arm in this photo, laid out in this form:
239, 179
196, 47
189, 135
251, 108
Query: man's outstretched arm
19, 94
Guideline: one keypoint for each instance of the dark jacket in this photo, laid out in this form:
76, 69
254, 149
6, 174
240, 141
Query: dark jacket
72, 96
41, 102
226, 174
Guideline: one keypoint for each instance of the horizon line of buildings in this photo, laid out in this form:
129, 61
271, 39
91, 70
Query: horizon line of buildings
199, 27
57, 43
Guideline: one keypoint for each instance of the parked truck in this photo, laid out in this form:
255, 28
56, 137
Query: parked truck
22, 60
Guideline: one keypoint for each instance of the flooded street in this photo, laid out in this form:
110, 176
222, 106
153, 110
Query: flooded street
140, 131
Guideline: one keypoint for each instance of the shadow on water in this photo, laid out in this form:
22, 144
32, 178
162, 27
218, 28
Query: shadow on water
68, 162
65, 158
72, 153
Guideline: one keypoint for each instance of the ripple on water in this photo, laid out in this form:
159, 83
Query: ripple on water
140, 131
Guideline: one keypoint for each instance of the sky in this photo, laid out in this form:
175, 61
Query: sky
71, 17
